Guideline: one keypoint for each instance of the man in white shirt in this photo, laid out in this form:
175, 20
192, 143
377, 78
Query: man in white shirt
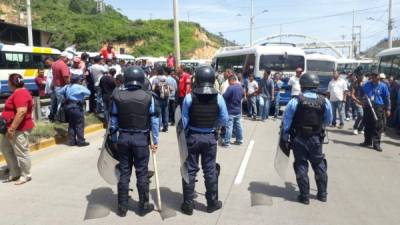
97, 70
294, 82
252, 89
337, 90
225, 84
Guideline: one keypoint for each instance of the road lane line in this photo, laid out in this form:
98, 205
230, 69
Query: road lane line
243, 165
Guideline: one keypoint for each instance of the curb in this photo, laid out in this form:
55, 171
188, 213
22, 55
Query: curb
45, 143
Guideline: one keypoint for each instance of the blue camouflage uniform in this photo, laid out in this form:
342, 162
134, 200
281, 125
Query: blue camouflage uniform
75, 95
202, 143
133, 150
307, 147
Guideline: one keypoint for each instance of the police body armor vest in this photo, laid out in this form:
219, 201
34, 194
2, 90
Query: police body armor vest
309, 116
133, 109
204, 111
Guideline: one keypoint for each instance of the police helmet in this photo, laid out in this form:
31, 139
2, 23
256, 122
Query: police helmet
310, 81
204, 80
135, 76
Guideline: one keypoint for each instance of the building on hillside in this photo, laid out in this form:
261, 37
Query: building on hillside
13, 33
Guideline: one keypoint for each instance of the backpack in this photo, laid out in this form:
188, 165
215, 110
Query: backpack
163, 88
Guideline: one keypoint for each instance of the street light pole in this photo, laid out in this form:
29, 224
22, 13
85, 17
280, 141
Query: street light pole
251, 22
176, 34
29, 22
390, 26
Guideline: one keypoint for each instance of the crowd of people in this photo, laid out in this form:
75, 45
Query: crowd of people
72, 79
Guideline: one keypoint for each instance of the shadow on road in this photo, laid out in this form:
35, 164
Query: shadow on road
258, 189
342, 131
102, 201
173, 200
391, 143
350, 144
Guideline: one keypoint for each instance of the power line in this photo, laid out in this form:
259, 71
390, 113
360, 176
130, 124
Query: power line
307, 19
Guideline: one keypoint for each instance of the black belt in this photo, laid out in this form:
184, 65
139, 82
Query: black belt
134, 131
199, 132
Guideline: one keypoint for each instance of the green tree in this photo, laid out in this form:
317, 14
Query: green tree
75, 6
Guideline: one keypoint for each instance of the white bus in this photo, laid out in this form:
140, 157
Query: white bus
346, 65
284, 58
24, 60
323, 66
389, 62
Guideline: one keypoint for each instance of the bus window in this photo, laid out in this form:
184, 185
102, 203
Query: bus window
237, 63
281, 63
385, 64
395, 68
320, 66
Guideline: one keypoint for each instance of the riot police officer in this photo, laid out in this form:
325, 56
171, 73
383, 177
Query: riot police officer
376, 103
202, 112
133, 116
304, 122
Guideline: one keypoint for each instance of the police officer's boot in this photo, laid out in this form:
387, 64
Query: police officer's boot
213, 204
376, 143
144, 206
304, 185
123, 196
321, 179
188, 195
122, 210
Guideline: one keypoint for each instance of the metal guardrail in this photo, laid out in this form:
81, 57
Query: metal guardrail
37, 110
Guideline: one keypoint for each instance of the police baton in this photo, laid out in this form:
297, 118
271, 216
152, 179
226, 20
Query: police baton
153, 154
372, 109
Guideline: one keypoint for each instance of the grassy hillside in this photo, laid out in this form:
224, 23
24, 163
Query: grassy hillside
77, 21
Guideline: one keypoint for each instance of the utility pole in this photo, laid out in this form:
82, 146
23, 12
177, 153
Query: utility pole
353, 39
29, 22
176, 34
280, 33
251, 22
390, 26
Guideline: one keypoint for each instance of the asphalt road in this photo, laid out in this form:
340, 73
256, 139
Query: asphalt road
363, 186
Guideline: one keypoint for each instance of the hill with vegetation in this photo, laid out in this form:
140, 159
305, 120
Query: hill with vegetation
381, 45
73, 21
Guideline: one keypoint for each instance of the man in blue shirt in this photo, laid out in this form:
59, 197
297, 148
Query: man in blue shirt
304, 120
75, 95
202, 112
133, 116
233, 97
376, 101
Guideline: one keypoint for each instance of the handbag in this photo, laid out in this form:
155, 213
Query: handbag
60, 115
3, 125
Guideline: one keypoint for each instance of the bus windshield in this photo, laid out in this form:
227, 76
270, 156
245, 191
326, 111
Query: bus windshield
281, 62
320, 66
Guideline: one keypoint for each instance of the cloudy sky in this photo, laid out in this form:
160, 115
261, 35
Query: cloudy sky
328, 20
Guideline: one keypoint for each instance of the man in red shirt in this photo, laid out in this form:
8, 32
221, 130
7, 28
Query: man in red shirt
61, 77
171, 61
60, 70
108, 52
40, 81
184, 84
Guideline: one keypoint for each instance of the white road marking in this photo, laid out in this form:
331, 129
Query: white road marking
242, 169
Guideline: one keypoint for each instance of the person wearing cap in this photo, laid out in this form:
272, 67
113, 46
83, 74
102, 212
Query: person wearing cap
61, 76
202, 112
376, 93
134, 117
74, 95
294, 82
304, 122
76, 68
